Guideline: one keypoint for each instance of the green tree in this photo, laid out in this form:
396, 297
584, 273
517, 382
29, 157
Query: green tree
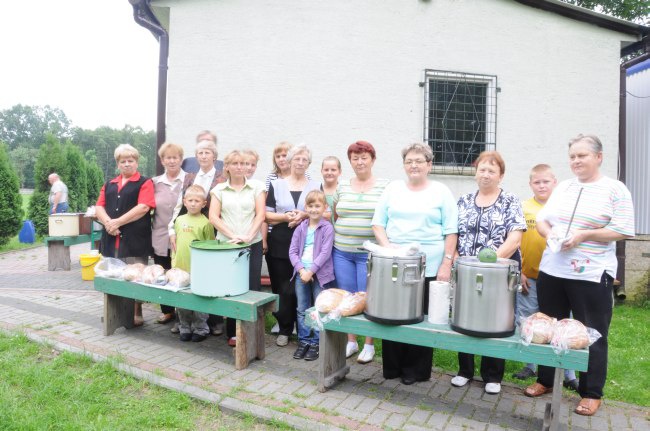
94, 177
632, 10
22, 158
76, 181
51, 158
23, 125
11, 210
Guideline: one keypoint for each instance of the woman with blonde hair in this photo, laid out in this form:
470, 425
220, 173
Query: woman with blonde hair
123, 208
237, 212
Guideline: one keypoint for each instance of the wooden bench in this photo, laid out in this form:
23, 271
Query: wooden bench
333, 339
248, 309
58, 248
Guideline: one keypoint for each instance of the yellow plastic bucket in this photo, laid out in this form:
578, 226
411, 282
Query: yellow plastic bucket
88, 262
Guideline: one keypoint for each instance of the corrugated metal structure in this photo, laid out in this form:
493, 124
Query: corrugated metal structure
637, 129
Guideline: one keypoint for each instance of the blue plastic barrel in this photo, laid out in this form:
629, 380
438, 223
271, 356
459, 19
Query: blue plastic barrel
27, 234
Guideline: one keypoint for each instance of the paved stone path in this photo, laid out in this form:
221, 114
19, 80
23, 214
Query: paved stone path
61, 309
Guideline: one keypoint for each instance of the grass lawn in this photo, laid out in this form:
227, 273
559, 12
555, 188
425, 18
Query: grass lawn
13, 243
42, 389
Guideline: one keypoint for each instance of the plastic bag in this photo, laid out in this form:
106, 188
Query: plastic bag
572, 334
176, 277
133, 272
109, 267
154, 274
407, 250
329, 299
537, 328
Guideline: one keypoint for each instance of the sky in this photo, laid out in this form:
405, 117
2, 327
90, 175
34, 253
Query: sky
86, 57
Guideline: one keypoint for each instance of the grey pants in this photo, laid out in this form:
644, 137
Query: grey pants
192, 322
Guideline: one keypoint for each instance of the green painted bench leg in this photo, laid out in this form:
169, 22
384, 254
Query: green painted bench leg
118, 312
58, 256
333, 366
552, 414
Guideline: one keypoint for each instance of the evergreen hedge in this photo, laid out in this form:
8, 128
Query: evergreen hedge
11, 211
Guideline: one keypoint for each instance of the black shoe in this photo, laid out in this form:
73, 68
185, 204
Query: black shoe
312, 353
301, 351
524, 374
197, 338
408, 380
185, 337
571, 384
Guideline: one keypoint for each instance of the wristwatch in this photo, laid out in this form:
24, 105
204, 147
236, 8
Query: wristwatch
449, 256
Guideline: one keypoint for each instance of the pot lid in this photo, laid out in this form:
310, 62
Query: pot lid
473, 261
217, 245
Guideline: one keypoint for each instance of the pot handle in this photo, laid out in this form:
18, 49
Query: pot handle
246, 251
368, 265
479, 283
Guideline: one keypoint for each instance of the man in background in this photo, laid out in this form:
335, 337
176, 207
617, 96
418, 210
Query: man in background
58, 194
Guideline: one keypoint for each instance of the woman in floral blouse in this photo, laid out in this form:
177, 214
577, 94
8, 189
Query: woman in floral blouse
488, 218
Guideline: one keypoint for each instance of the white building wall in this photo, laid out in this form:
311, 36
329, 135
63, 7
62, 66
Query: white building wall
330, 73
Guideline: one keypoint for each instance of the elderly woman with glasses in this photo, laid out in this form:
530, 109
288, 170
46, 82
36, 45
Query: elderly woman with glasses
421, 211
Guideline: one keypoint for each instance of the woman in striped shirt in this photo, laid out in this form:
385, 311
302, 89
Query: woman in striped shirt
586, 215
354, 205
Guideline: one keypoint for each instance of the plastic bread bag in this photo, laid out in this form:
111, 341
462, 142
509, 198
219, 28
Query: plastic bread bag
329, 299
133, 272
349, 306
537, 329
176, 277
326, 301
154, 274
109, 267
406, 250
572, 334
555, 239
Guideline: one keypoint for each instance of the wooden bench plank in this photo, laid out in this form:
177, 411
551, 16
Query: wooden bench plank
443, 337
69, 240
248, 309
240, 307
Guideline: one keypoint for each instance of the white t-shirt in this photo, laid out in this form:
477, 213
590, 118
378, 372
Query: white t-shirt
605, 203
57, 187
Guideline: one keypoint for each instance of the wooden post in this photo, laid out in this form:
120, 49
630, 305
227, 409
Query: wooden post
58, 256
333, 366
118, 312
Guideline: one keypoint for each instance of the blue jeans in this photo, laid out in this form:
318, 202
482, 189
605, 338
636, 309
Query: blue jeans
60, 208
350, 270
306, 294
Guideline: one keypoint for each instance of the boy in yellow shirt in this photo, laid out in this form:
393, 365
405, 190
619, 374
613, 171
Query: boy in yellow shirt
193, 226
542, 182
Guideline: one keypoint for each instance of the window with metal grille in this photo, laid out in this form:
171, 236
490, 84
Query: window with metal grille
459, 118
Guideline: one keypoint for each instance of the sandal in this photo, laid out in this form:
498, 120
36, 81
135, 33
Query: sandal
165, 318
588, 406
536, 390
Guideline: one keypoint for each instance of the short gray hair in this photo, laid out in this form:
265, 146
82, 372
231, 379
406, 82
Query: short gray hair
418, 147
207, 145
300, 148
594, 142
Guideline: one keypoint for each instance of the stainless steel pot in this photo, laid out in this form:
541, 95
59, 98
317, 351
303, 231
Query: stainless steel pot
484, 297
395, 289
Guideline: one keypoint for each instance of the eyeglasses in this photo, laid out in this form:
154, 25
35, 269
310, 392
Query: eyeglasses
417, 162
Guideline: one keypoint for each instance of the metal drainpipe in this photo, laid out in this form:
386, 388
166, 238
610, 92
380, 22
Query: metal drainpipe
619, 291
145, 17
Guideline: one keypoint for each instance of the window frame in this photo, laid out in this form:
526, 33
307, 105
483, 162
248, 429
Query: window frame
492, 90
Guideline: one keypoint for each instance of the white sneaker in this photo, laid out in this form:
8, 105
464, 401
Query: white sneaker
366, 356
493, 388
275, 329
459, 381
282, 340
175, 329
351, 349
